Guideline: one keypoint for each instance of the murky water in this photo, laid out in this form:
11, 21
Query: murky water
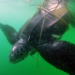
15, 14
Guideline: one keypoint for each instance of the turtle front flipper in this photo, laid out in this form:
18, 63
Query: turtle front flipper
60, 54
19, 51
10, 33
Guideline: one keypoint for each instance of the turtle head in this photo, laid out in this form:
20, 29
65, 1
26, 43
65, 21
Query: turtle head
19, 51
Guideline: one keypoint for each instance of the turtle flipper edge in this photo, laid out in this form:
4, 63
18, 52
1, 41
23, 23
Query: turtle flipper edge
10, 33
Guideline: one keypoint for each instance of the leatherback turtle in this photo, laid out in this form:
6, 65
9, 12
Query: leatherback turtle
61, 54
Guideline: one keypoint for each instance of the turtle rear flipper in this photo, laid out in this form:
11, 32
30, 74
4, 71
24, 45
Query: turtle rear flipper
10, 33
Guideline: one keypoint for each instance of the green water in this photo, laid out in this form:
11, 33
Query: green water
16, 15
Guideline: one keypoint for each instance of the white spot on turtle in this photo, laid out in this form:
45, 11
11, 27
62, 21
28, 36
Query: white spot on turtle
55, 44
13, 48
56, 36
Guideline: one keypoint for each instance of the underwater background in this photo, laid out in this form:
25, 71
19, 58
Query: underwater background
15, 13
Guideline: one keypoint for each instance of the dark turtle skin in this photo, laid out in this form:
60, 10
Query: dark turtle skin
61, 54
